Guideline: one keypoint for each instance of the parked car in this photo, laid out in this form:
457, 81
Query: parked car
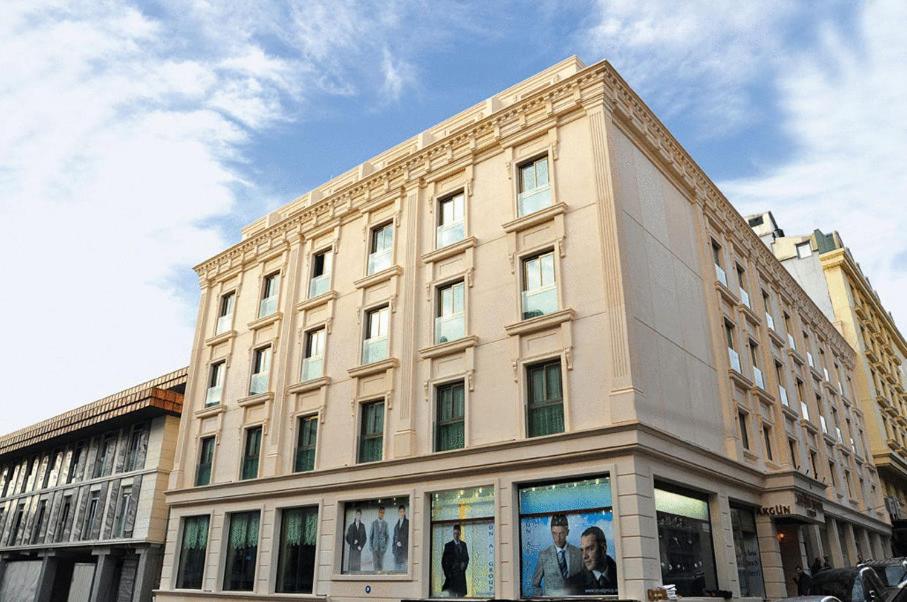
891, 570
843, 584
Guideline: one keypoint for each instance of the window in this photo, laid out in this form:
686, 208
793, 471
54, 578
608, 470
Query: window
746, 545
251, 453
741, 279
450, 416
790, 332
539, 288
450, 322
205, 461
377, 327
368, 536
831, 473
794, 453
782, 390
74, 462
804, 250
812, 463
451, 227
535, 189
15, 525
63, 521
29, 469
296, 555
37, 534
320, 282
733, 356
225, 313
135, 453
809, 355
685, 540
269, 292
306, 440
7, 479
758, 377
767, 439
720, 274
545, 406
90, 515
192, 552
215, 383
767, 303
53, 463
313, 362
242, 552
124, 505
371, 432
381, 248
261, 369
463, 519
578, 513
104, 460
744, 431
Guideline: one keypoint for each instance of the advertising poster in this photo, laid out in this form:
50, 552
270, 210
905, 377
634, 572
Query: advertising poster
462, 543
376, 536
566, 541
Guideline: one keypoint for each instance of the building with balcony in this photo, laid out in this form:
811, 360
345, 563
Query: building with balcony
533, 328
828, 272
82, 509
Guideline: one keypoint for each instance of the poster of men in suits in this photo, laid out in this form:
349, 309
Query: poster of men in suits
376, 536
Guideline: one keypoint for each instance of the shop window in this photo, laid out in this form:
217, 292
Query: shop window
376, 537
296, 562
242, 551
192, 552
462, 543
746, 545
560, 523
685, 541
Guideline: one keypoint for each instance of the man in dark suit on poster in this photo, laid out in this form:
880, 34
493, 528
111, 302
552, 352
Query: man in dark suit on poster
401, 539
454, 562
599, 574
355, 539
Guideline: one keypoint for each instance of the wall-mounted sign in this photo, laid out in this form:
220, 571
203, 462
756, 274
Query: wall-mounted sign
776, 510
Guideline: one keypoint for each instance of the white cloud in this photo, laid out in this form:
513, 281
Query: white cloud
845, 111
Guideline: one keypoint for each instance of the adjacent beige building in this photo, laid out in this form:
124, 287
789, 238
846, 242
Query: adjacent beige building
827, 270
538, 321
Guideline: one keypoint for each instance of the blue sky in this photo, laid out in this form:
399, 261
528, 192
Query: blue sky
139, 137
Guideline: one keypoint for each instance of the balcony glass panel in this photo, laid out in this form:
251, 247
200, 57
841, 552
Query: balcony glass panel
259, 384
534, 200
540, 301
745, 297
374, 350
449, 328
319, 285
758, 378
791, 341
770, 321
809, 360
838, 434
734, 357
223, 324
823, 424
312, 367
379, 260
448, 234
782, 394
213, 396
267, 306
804, 410
720, 274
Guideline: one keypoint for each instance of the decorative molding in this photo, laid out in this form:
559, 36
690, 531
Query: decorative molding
373, 368
541, 322
533, 219
266, 321
220, 338
254, 400
316, 301
449, 348
209, 411
309, 385
450, 250
378, 277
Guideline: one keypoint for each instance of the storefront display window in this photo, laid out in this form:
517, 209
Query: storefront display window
462, 543
685, 541
566, 541
242, 551
376, 536
192, 552
746, 544
296, 564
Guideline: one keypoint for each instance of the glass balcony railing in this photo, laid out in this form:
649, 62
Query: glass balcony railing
267, 306
758, 378
539, 301
734, 358
379, 260
838, 435
258, 384
319, 285
745, 298
825, 372
823, 424
809, 360
448, 234
223, 324
804, 410
782, 394
374, 350
312, 368
214, 396
720, 274
770, 321
791, 341
535, 199
449, 328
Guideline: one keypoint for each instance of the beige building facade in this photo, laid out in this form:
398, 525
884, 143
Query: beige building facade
539, 322
827, 270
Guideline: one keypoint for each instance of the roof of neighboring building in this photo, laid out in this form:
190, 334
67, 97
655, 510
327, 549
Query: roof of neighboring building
164, 393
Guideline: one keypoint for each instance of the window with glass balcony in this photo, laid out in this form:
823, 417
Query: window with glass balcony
451, 411
306, 440
758, 377
451, 220
767, 441
720, 274
535, 188
782, 390
251, 453
381, 248
767, 304
730, 338
809, 355
205, 461
539, 295
741, 281
225, 312
261, 369
450, 320
321, 273
215, 383
193, 546
377, 329
545, 399
744, 431
270, 290
313, 362
790, 332
371, 432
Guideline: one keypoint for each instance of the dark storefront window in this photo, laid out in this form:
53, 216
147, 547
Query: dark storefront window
746, 545
685, 541
242, 552
192, 552
296, 564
